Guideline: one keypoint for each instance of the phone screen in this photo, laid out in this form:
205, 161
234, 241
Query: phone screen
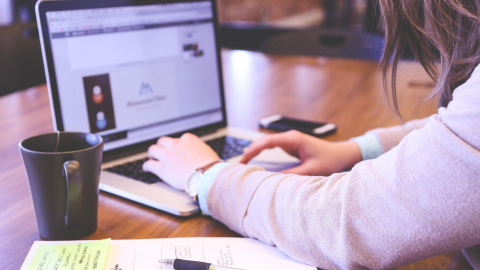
286, 124
297, 124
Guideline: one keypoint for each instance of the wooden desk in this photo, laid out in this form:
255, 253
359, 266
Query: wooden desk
345, 92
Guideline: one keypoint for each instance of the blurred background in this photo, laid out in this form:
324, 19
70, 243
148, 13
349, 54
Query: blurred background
292, 13
329, 28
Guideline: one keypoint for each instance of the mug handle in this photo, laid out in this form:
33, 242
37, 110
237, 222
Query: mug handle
74, 179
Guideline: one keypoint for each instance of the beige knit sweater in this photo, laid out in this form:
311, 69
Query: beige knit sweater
419, 199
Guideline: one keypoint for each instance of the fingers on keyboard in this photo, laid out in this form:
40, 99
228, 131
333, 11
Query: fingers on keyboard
226, 147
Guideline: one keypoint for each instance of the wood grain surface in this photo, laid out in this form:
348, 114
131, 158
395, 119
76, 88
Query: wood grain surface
345, 92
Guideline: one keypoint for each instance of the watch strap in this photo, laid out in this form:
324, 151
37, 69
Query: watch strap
205, 168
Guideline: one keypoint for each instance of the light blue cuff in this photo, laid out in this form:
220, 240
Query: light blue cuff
207, 181
370, 145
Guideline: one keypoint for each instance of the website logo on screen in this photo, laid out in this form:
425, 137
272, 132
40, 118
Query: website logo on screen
145, 88
147, 97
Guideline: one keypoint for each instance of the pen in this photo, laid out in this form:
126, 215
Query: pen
193, 265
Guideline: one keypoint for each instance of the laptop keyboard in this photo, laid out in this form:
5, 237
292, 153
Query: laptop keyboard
134, 170
226, 147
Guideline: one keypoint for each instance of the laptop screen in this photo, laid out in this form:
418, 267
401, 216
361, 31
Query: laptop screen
135, 73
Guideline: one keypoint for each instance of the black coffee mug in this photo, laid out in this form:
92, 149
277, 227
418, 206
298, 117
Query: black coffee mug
63, 171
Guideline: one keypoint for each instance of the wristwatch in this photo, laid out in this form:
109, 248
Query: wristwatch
193, 183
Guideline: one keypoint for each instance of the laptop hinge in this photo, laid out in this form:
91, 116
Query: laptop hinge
127, 151
205, 131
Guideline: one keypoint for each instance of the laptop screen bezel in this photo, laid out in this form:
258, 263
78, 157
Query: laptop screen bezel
45, 6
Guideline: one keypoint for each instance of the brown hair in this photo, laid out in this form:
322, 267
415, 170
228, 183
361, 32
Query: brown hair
444, 36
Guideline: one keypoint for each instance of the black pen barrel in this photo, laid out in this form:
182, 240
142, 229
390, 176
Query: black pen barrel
190, 265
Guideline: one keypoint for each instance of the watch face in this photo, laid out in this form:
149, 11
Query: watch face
194, 184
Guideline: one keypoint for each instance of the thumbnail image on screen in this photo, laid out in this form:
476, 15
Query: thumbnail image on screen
99, 103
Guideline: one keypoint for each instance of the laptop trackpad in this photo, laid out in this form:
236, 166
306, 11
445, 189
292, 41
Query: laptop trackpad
275, 160
274, 166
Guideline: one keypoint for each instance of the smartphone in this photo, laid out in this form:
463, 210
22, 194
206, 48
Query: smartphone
281, 123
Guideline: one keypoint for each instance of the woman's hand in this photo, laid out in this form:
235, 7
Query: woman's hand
318, 157
173, 160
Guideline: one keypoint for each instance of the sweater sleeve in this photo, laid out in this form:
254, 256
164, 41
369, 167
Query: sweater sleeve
418, 200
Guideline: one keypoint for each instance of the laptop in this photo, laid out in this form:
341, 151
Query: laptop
132, 71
